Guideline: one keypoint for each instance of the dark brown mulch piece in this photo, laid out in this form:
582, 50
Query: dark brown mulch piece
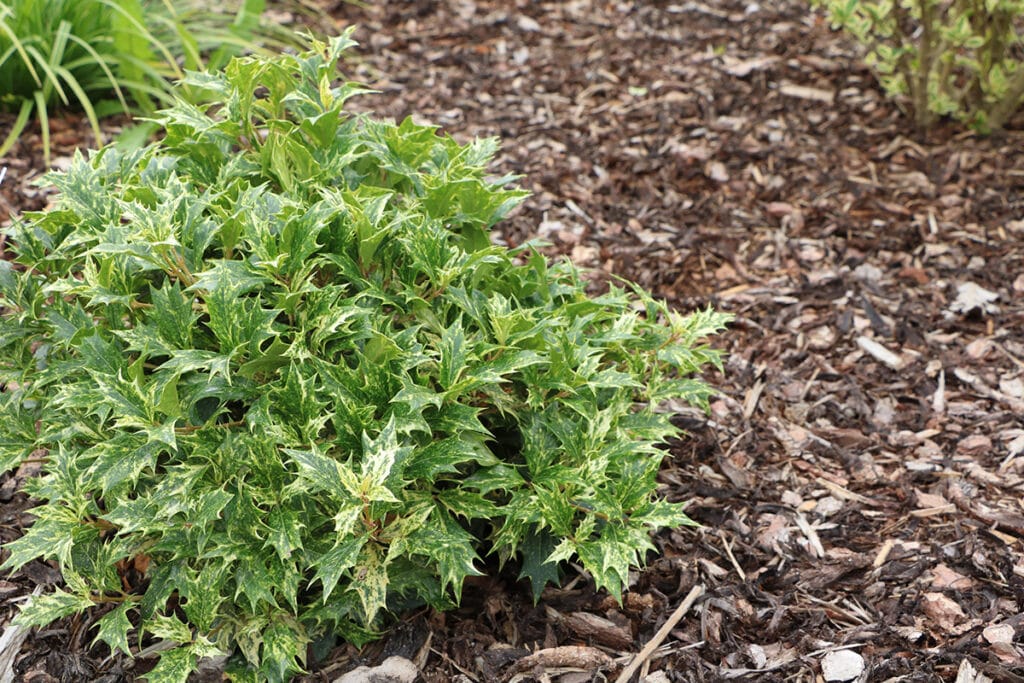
860, 477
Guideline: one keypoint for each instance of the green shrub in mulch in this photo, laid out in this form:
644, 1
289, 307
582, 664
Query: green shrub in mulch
282, 383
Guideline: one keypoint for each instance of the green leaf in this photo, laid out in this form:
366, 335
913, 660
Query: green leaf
336, 561
611, 554
454, 354
45, 609
285, 531
283, 644
113, 628
173, 315
467, 504
239, 323
132, 515
174, 666
445, 456
658, 514
325, 474
370, 581
47, 538
449, 547
383, 462
170, 628
203, 595
536, 549
254, 581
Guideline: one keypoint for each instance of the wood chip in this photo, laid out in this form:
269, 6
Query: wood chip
804, 92
880, 353
576, 656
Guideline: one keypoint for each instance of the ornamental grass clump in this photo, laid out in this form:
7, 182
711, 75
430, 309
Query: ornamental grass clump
105, 56
281, 382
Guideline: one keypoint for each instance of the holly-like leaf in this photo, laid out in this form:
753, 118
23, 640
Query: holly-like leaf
203, 592
609, 556
658, 514
174, 666
297, 404
49, 607
536, 549
454, 349
173, 315
169, 627
47, 538
112, 628
445, 455
336, 561
324, 473
132, 515
370, 581
383, 463
255, 582
449, 547
285, 531
284, 646
239, 322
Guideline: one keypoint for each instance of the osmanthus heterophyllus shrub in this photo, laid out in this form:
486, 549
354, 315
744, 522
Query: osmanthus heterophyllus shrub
281, 381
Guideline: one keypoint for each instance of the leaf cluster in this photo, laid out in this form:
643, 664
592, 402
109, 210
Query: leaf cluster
284, 382
959, 58
104, 56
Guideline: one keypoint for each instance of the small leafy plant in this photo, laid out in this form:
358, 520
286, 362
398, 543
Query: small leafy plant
103, 56
960, 58
282, 382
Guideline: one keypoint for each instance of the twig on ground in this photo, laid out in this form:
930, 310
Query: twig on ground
662, 633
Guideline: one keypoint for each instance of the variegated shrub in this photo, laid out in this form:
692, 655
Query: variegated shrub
281, 382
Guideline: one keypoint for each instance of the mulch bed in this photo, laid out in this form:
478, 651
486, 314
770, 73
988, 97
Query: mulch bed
859, 479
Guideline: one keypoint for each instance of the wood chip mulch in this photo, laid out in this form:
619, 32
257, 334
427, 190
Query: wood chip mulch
859, 478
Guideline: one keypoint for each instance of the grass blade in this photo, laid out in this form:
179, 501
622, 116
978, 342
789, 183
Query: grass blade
52, 82
19, 125
44, 124
136, 21
83, 99
20, 47
100, 61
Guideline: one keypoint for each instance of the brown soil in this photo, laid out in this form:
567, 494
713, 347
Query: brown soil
860, 477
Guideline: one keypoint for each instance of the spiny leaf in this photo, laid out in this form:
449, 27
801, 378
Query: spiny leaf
324, 473
44, 609
174, 666
454, 354
447, 545
285, 531
383, 462
336, 561
283, 645
113, 627
170, 628
203, 595
536, 549
48, 538
370, 581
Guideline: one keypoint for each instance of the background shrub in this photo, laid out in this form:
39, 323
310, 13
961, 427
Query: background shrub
950, 57
103, 56
284, 381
